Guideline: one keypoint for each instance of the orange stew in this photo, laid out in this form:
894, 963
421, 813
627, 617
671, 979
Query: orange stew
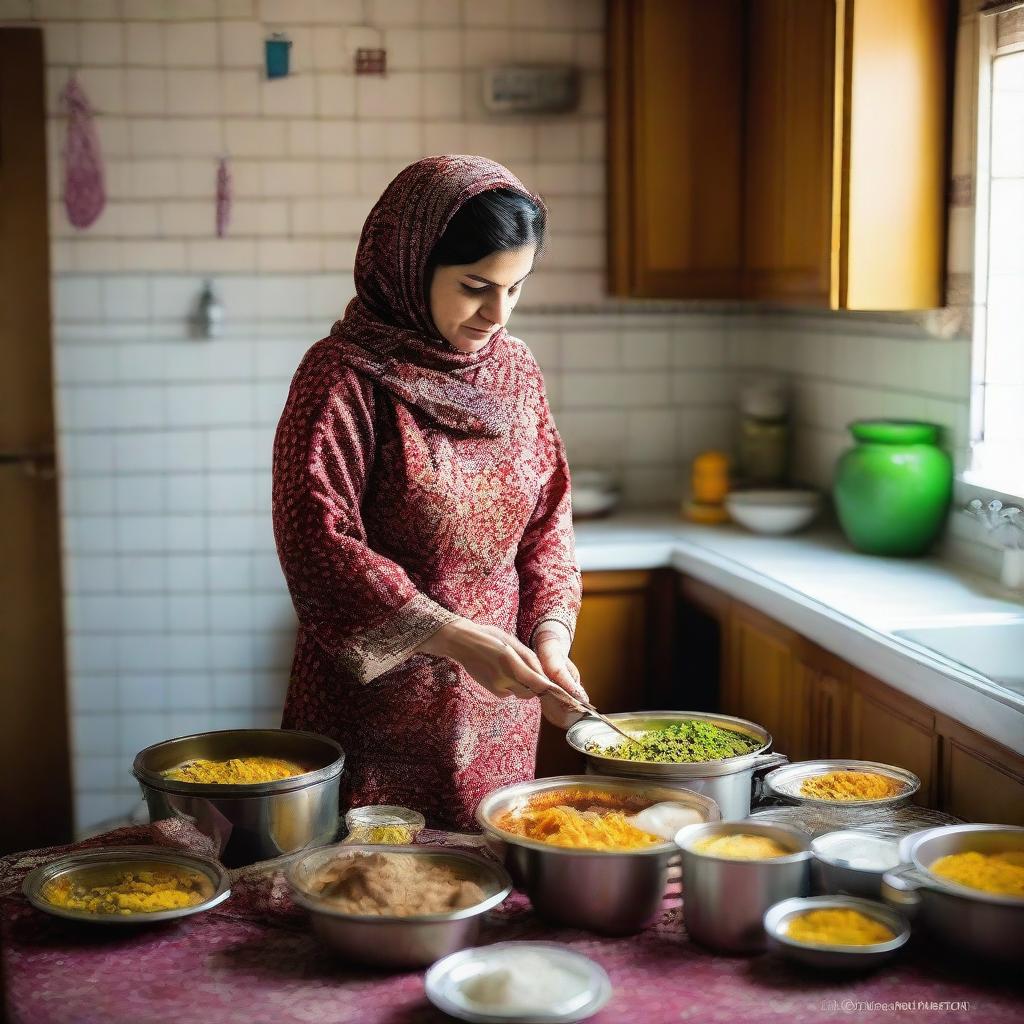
582, 819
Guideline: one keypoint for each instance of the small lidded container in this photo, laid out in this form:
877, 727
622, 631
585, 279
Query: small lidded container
383, 825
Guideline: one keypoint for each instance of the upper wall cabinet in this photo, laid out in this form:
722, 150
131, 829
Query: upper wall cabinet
782, 150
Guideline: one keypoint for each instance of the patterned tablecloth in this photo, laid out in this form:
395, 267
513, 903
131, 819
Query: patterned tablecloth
253, 960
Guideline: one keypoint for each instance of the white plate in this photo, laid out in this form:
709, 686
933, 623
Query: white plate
444, 979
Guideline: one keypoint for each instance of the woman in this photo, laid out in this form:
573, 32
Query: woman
421, 505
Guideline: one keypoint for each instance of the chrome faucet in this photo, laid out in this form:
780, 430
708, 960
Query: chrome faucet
1005, 525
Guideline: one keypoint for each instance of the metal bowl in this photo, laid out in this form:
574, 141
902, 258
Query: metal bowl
614, 893
724, 898
778, 917
392, 941
102, 866
785, 783
727, 781
981, 923
256, 821
832, 875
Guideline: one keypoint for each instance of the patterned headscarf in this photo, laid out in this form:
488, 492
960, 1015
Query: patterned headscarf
387, 327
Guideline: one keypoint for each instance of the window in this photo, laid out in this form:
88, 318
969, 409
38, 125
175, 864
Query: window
997, 400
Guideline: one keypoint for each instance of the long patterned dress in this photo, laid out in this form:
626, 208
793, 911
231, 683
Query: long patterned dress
412, 485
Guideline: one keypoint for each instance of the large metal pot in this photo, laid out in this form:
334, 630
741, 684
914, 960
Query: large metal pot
728, 782
614, 893
393, 941
977, 922
725, 900
249, 822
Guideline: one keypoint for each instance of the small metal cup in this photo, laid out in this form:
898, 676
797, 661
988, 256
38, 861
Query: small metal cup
724, 900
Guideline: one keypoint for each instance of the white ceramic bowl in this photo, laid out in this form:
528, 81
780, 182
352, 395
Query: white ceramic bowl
766, 511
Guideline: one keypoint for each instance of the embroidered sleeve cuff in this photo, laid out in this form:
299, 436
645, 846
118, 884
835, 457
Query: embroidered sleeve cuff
371, 654
560, 615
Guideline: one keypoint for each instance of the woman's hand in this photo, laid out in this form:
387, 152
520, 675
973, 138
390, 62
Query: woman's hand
551, 641
494, 658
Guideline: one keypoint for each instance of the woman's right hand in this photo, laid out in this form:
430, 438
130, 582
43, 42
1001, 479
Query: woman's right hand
498, 661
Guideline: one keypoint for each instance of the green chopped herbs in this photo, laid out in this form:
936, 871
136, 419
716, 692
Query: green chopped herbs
682, 743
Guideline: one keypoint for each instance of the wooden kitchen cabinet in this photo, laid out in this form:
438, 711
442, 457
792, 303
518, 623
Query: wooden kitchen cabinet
783, 150
891, 728
613, 649
817, 705
981, 780
761, 684
675, 140
824, 681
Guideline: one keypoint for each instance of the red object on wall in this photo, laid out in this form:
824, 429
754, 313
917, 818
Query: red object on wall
84, 191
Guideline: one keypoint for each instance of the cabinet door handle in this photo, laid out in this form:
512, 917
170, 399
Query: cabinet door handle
827, 723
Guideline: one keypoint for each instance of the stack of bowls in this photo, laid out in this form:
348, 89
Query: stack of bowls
255, 821
728, 782
611, 892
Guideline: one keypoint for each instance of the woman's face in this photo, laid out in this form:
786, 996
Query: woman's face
471, 301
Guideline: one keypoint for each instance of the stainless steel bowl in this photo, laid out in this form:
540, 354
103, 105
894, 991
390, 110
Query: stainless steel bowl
614, 893
727, 781
102, 866
251, 822
857, 958
724, 900
981, 923
785, 783
399, 942
832, 875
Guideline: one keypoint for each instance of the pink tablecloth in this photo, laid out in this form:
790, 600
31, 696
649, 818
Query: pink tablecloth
254, 961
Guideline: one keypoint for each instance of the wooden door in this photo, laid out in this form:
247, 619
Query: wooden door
762, 685
890, 727
981, 780
787, 181
611, 649
35, 790
675, 125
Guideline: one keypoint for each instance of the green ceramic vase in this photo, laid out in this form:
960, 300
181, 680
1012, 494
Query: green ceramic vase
893, 488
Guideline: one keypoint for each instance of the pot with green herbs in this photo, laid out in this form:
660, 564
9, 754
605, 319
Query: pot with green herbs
715, 755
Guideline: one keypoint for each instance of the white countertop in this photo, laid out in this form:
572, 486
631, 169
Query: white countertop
846, 602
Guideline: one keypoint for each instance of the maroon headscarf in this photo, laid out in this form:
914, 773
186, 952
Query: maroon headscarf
388, 328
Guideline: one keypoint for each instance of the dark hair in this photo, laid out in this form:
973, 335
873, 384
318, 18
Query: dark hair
492, 221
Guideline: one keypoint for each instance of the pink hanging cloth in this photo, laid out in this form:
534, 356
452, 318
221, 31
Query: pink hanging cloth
84, 192
223, 197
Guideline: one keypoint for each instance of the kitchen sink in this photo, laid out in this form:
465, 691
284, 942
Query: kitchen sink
992, 649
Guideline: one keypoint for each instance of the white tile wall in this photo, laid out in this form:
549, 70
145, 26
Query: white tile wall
847, 367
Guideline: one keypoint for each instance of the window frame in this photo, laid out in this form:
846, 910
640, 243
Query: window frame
978, 478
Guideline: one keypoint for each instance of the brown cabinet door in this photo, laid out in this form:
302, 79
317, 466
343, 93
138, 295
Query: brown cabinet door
981, 780
761, 683
35, 776
888, 727
826, 684
675, 121
787, 186
611, 651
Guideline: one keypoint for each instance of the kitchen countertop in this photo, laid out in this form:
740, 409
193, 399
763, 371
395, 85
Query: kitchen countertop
848, 603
